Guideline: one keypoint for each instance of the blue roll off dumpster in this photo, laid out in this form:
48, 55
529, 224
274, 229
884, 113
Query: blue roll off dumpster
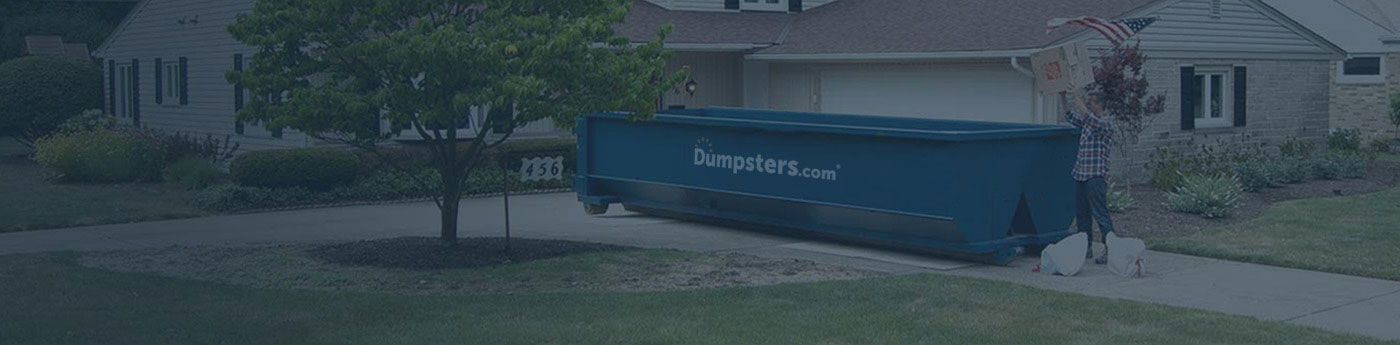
963, 188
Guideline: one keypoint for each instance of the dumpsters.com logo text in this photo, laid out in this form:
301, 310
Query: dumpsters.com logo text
705, 156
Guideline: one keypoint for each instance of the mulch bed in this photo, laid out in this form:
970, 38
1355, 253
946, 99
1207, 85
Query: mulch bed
1150, 218
424, 253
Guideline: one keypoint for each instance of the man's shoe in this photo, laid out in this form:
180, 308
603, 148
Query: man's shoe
1101, 259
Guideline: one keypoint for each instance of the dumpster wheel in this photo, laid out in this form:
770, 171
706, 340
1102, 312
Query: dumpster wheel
595, 209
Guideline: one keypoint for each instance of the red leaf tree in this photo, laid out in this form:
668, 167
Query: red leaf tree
1119, 76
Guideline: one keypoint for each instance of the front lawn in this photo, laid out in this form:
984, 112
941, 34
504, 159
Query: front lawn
1356, 235
50, 299
29, 202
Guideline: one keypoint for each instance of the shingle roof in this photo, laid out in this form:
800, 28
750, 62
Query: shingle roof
918, 26
703, 27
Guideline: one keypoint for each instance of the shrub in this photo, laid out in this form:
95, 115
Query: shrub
1119, 200
1344, 139
193, 172
1169, 166
40, 93
1210, 196
1351, 165
1295, 170
182, 146
1294, 148
1257, 174
317, 169
1381, 145
390, 185
87, 121
99, 156
229, 197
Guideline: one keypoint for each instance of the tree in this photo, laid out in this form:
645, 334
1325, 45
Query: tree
1125, 95
75, 23
39, 93
431, 66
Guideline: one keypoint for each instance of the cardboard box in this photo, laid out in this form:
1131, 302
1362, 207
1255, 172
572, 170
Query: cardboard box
1054, 67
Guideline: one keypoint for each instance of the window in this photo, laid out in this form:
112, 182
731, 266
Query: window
124, 94
1361, 70
763, 5
171, 82
1213, 106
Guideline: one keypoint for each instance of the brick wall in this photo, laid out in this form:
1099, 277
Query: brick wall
1286, 99
1364, 106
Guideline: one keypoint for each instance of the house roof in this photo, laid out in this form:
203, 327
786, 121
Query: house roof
924, 26
1383, 12
715, 28
1345, 27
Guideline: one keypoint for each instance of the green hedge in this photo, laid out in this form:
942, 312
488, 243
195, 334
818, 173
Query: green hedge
100, 156
39, 93
316, 169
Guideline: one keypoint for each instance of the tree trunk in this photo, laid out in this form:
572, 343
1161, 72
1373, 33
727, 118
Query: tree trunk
451, 199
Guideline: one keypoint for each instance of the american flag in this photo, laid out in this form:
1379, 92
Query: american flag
1116, 31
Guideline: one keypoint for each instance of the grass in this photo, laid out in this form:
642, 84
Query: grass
29, 202
1356, 235
50, 299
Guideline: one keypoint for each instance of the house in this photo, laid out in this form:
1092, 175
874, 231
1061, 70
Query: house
1362, 83
164, 68
1265, 75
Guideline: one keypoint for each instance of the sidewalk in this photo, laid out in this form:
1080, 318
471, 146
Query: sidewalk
1329, 301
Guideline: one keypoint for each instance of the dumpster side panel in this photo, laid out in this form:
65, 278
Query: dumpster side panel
984, 191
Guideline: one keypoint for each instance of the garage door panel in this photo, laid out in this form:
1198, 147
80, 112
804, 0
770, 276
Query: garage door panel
984, 93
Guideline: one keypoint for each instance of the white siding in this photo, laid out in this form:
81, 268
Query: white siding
719, 77
153, 31
1189, 27
792, 87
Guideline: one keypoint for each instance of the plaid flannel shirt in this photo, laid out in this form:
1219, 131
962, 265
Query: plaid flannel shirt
1094, 143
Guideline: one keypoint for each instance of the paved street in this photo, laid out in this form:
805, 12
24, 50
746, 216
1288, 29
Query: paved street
1335, 302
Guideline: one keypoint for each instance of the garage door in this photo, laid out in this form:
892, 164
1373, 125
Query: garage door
964, 92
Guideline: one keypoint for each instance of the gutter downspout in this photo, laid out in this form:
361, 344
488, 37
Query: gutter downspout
1016, 65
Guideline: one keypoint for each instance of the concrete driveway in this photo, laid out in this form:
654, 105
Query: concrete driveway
1329, 301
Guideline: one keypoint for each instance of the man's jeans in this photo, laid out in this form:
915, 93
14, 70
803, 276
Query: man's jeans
1092, 201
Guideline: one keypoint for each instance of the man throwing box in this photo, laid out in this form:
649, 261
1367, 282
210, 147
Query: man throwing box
1091, 167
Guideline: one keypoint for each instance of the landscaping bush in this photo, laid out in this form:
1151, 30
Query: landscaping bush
1381, 145
1351, 165
1169, 166
193, 172
317, 169
1344, 139
1210, 196
1294, 148
1118, 199
390, 185
181, 146
40, 93
100, 156
87, 121
1257, 174
1295, 170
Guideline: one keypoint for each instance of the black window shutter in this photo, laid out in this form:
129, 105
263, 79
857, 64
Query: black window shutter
1188, 97
731, 4
160, 82
112, 85
237, 95
184, 81
794, 6
136, 92
1241, 86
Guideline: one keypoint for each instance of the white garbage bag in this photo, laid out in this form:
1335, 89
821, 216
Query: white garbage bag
1065, 257
1127, 257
